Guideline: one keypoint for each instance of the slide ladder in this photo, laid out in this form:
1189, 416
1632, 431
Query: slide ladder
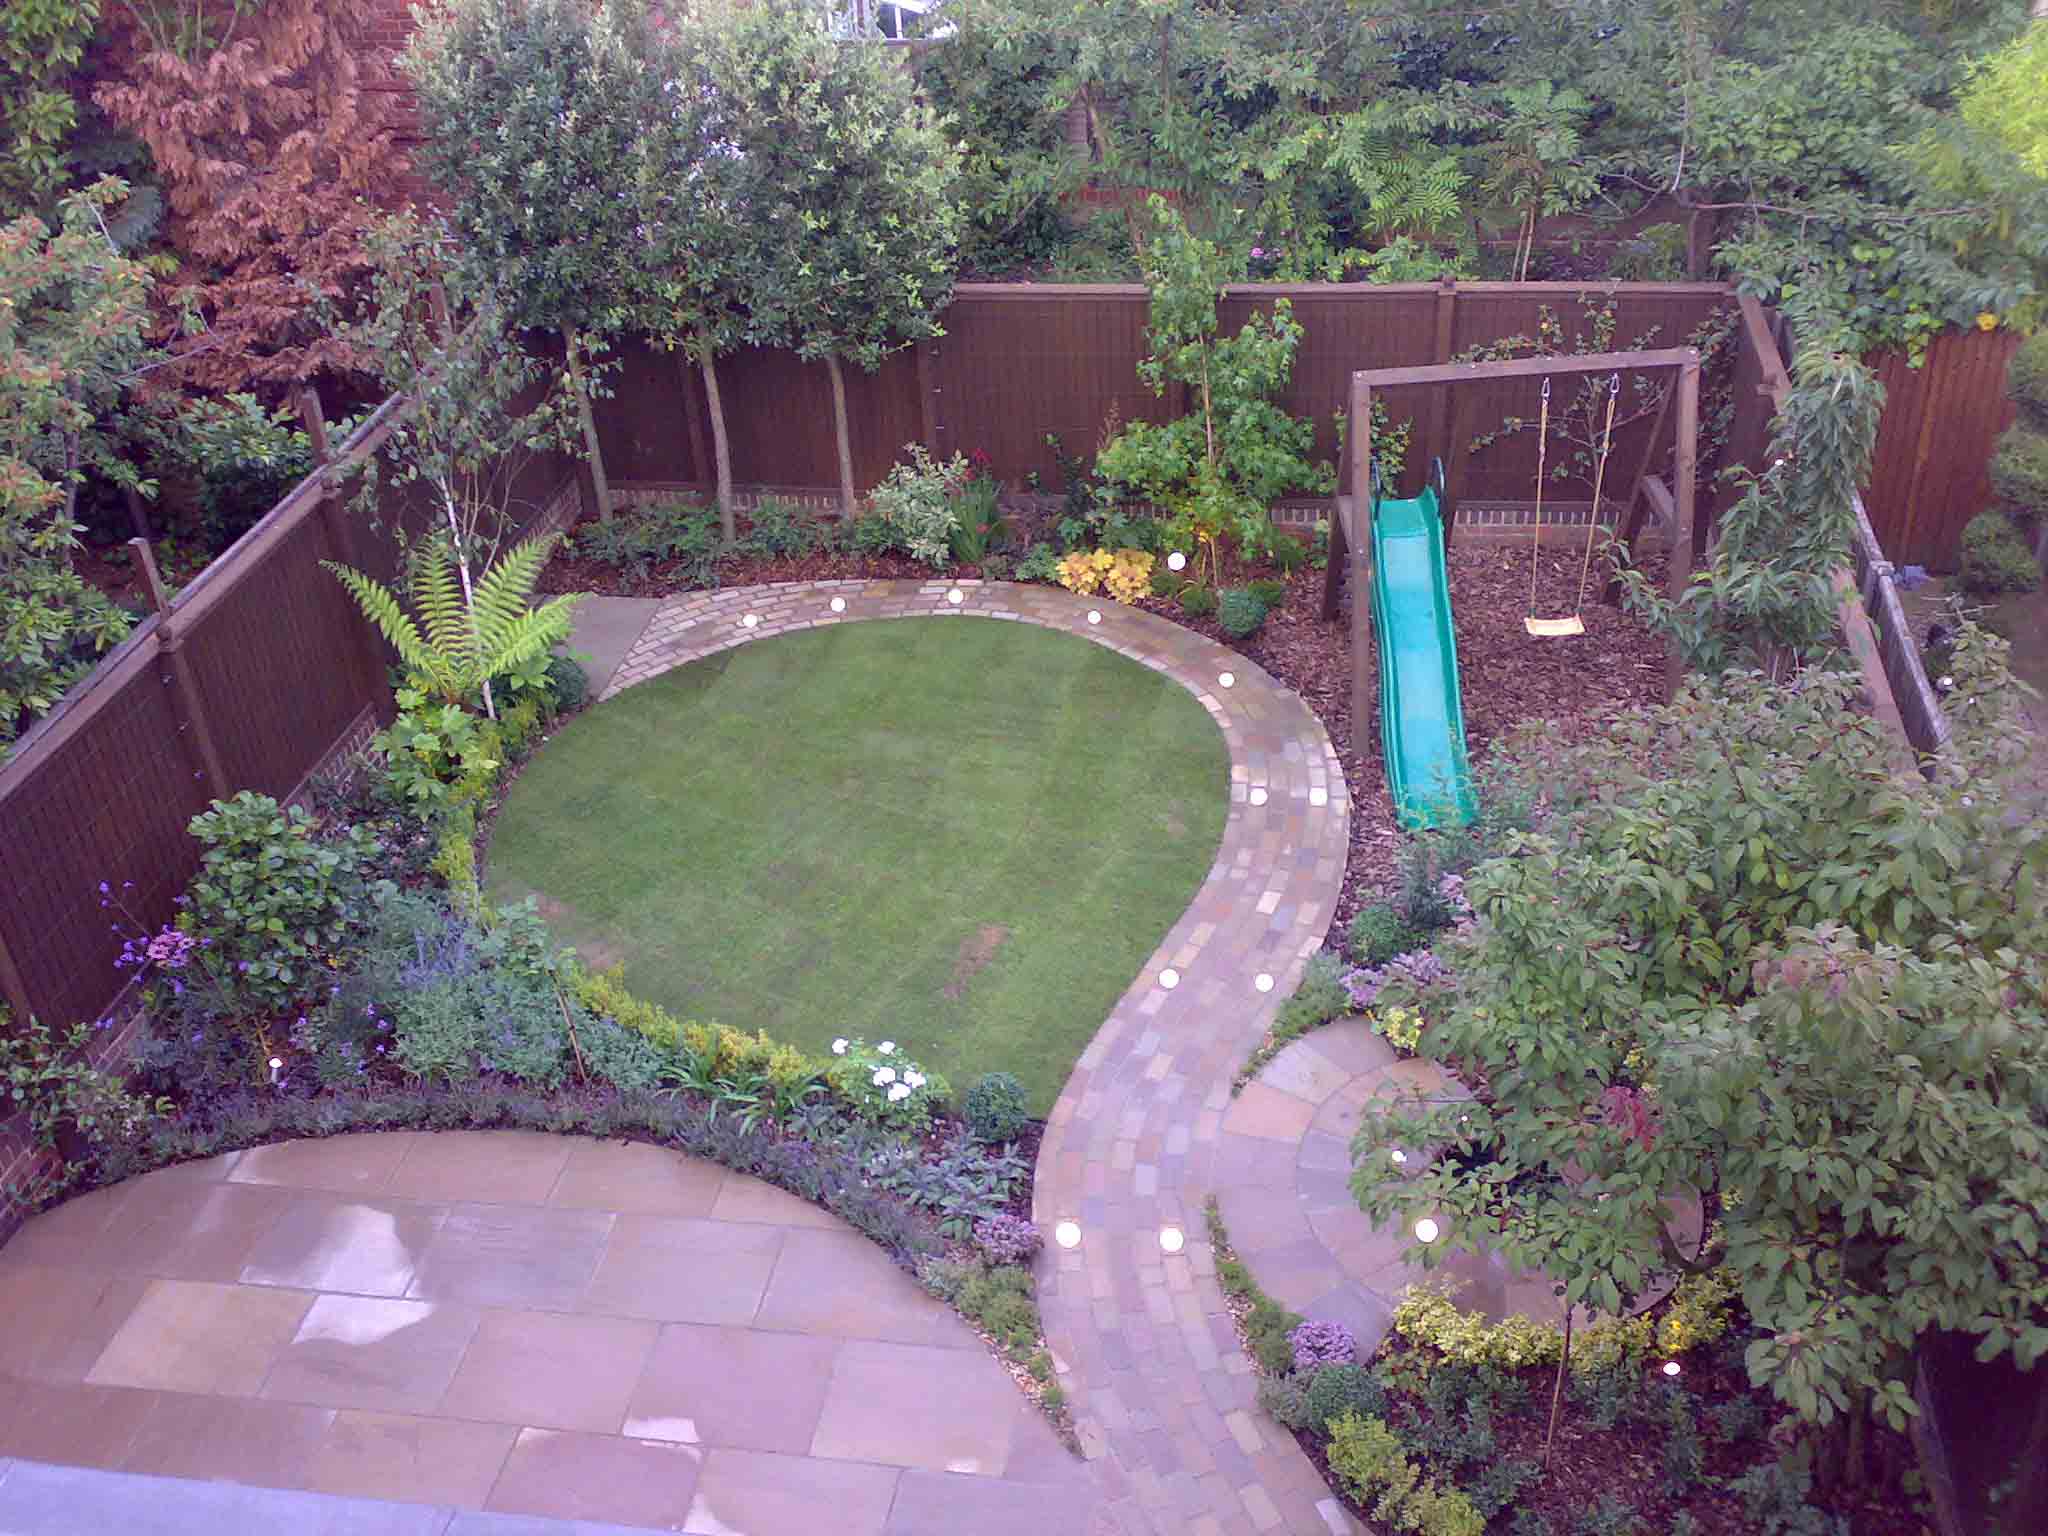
1422, 716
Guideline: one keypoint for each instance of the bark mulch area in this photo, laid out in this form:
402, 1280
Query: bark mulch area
1507, 677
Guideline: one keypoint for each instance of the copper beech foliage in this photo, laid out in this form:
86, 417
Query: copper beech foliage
277, 151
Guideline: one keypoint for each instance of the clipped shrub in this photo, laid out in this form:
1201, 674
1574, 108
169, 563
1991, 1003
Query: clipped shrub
1318, 1344
1995, 558
1336, 1390
1286, 1399
1198, 602
568, 684
1240, 613
1269, 1328
1378, 933
1006, 1239
996, 1108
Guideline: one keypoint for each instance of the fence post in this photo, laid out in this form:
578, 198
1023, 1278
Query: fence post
928, 395
1360, 558
170, 645
334, 517
1678, 576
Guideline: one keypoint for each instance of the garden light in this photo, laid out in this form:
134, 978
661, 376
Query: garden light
1169, 978
750, 621
1672, 1368
956, 597
1319, 797
1427, 1231
1263, 982
1226, 679
839, 605
1258, 797
277, 1068
1397, 1157
1176, 561
1094, 615
1172, 1239
1067, 1234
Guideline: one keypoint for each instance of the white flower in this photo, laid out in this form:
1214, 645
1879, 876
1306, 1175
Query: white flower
887, 1047
914, 1078
884, 1076
839, 1046
900, 1091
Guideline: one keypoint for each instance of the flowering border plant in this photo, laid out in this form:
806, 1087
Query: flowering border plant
880, 1084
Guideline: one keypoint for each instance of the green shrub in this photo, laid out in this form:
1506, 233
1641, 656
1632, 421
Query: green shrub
1286, 1399
1290, 555
996, 1108
1995, 558
917, 500
1198, 602
1240, 613
1336, 1390
779, 527
1320, 997
998, 1300
1378, 933
1039, 564
273, 905
1368, 1460
1266, 1328
2027, 379
874, 534
1167, 582
2019, 472
1271, 593
568, 684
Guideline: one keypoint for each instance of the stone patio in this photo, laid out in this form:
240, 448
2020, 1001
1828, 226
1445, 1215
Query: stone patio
512, 1323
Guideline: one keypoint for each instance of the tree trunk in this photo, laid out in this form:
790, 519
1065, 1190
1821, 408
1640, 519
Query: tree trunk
721, 448
589, 421
840, 432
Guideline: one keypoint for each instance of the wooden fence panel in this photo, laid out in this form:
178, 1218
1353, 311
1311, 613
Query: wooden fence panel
1019, 361
1941, 422
105, 799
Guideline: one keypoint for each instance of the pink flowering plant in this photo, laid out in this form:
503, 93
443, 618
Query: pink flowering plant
882, 1085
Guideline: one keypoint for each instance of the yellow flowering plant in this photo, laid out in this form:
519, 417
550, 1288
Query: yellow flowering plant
1130, 575
1697, 1313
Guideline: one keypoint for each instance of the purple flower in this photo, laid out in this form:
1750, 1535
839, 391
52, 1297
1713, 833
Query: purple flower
1317, 1344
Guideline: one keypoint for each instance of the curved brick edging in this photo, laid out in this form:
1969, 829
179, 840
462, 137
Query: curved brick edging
1163, 1397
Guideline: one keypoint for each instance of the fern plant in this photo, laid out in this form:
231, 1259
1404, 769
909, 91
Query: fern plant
455, 641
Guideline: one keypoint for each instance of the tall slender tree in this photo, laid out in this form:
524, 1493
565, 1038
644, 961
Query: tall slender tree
532, 112
833, 184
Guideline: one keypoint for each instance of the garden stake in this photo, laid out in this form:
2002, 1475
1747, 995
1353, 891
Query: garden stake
1564, 1362
575, 1045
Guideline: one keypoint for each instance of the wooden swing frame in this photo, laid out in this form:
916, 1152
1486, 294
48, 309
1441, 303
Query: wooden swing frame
1350, 525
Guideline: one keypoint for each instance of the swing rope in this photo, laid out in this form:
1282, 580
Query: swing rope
1575, 623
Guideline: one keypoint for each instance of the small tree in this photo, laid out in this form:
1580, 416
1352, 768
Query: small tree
73, 317
841, 182
1745, 961
533, 117
480, 407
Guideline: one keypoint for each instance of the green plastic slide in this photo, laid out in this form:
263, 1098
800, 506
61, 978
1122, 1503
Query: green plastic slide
1422, 718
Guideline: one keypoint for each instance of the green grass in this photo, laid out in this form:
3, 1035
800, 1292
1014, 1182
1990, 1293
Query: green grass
962, 836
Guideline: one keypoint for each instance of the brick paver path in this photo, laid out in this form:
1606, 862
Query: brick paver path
1163, 1397
505, 1321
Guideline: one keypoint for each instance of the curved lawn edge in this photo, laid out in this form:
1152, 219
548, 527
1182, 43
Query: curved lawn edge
1163, 1397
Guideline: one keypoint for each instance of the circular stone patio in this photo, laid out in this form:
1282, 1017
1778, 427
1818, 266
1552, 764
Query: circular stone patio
1290, 1131
506, 1321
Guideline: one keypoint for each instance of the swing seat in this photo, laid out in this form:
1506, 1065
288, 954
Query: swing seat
1570, 624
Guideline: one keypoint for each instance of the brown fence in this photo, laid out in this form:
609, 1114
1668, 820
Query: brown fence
1019, 361
253, 676
1941, 421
